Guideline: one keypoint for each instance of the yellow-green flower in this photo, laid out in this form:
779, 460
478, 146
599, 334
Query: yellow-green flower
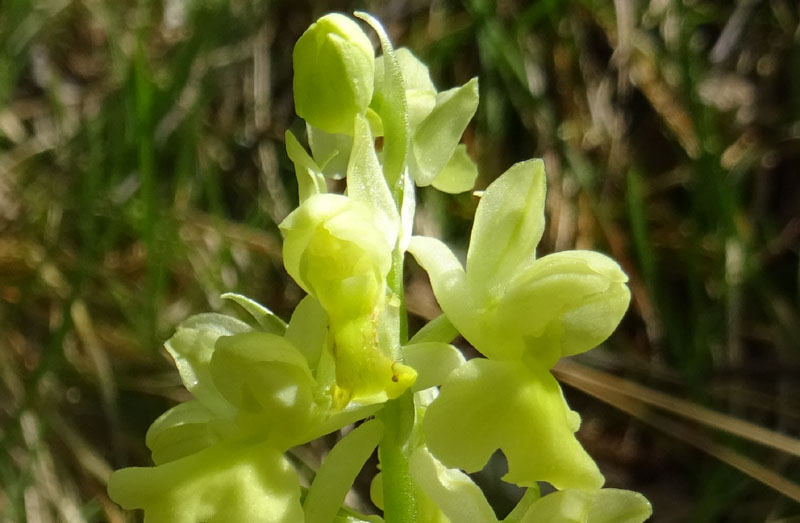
523, 314
335, 251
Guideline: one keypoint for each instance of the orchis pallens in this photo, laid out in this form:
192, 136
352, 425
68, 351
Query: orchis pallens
262, 387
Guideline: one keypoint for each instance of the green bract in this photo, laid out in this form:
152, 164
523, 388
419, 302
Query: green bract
333, 73
435, 122
419, 89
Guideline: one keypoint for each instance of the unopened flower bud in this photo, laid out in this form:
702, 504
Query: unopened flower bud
334, 66
334, 251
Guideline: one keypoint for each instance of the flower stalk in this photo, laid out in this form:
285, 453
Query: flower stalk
399, 498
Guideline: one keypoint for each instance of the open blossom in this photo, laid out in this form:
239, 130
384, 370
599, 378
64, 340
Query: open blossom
220, 456
523, 314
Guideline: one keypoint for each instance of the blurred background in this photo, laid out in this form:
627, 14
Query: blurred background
143, 172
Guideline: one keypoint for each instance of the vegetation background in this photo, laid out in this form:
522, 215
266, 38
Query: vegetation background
142, 174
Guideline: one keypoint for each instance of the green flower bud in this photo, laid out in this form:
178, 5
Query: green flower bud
335, 252
334, 66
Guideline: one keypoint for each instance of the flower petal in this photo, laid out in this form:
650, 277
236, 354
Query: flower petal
334, 64
459, 174
508, 225
334, 250
436, 138
439, 329
308, 329
192, 346
447, 277
265, 318
420, 91
565, 303
364, 371
221, 484
595, 506
487, 405
182, 430
455, 494
268, 380
310, 180
433, 362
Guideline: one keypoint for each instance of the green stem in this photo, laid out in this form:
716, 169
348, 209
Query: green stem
399, 500
395, 281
